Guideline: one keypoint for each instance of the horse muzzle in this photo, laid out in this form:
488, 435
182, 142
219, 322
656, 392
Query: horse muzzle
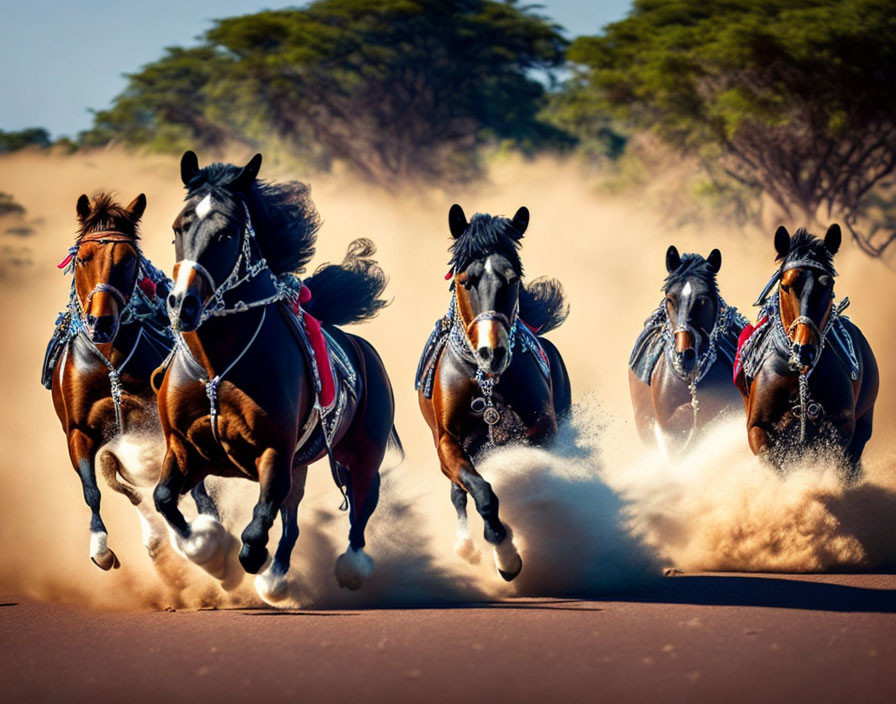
102, 329
802, 357
685, 351
192, 288
492, 346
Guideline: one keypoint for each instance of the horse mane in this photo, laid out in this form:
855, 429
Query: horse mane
107, 214
346, 293
692, 266
543, 304
283, 215
485, 235
806, 246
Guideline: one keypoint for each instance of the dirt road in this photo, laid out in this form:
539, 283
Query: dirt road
692, 638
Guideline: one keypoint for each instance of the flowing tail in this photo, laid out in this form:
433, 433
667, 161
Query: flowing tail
346, 293
543, 304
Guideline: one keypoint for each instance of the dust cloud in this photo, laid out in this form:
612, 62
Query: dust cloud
593, 514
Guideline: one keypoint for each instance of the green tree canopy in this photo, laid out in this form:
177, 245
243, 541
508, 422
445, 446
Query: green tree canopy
394, 89
30, 137
794, 97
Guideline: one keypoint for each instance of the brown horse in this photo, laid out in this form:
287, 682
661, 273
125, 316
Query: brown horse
807, 374
107, 343
485, 378
239, 398
680, 367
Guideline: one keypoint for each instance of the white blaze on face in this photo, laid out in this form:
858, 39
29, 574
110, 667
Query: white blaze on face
686, 290
491, 333
204, 207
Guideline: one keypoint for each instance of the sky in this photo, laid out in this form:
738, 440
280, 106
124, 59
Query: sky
61, 58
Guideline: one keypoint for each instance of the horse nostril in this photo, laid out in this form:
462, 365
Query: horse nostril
172, 301
689, 355
190, 306
485, 354
498, 356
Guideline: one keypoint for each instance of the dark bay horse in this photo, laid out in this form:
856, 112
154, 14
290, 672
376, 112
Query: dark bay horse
487, 377
239, 398
680, 368
807, 374
111, 337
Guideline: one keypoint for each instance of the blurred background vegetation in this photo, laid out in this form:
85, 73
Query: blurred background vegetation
781, 106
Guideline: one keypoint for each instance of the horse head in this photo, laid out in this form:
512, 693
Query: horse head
806, 290
208, 234
106, 262
692, 304
487, 273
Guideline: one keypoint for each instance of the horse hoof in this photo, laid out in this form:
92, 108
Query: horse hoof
468, 551
206, 545
507, 560
352, 568
272, 586
100, 554
253, 557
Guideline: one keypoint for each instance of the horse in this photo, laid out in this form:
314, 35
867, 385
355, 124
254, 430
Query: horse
487, 376
680, 367
112, 335
243, 394
806, 373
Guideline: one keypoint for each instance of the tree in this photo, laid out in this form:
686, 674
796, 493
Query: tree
793, 97
30, 137
396, 89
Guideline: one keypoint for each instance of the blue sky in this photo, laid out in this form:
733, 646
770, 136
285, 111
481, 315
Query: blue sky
60, 58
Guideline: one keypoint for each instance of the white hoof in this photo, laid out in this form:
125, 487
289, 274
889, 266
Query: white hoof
100, 553
352, 568
466, 548
507, 559
272, 587
206, 546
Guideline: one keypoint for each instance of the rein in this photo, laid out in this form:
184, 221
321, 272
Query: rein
705, 361
459, 340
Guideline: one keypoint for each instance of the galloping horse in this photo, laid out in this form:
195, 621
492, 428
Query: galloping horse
249, 392
108, 341
806, 373
680, 368
486, 376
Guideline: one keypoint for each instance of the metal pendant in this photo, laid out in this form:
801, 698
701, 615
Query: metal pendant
491, 415
477, 405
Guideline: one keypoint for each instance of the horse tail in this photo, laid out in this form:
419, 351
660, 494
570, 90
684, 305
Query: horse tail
394, 443
346, 293
543, 305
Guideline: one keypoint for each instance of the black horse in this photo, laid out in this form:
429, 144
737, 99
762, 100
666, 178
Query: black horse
249, 392
807, 374
681, 365
487, 377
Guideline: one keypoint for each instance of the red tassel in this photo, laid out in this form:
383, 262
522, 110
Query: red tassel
148, 286
449, 274
65, 262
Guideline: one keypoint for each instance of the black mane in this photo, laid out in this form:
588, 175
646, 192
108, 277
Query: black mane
284, 218
692, 266
806, 246
485, 235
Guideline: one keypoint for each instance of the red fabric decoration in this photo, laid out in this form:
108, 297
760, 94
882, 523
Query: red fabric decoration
65, 262
319, 345
304, 294
148, 286
531, 327
449, 274
745, 335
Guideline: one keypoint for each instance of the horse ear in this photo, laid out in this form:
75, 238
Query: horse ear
714, 260
457, 221
137, 206
673, 258
189, 167
246, 177
83, 206
521, 220
833, 238
782, 242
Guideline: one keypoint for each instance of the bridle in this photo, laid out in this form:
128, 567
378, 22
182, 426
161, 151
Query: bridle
107, 237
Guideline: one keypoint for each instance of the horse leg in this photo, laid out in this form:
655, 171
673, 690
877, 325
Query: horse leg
461, 471
82, 450
463, 546
860, 436
204, 503
274, 480
271, 584
205, 540
354, 565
